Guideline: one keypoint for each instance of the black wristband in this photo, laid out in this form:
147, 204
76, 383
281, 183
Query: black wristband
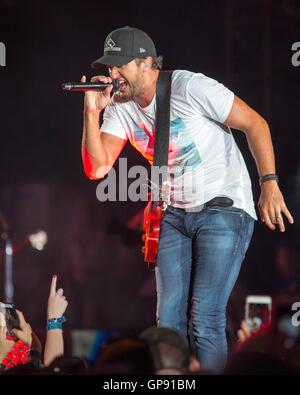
268, 177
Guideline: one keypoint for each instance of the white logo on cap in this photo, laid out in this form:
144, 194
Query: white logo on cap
142, 50
111, 46
110, 43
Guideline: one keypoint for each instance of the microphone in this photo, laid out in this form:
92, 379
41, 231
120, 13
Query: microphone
89, 86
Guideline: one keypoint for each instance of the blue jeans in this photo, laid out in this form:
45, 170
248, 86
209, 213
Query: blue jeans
199, 259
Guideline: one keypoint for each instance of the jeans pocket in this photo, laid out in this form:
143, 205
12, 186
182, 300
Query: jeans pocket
229, 220
226, 210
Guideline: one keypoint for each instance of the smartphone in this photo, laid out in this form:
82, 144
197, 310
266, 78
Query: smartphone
11, 317
257, 311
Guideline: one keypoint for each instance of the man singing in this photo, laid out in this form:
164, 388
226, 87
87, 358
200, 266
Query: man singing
202, 240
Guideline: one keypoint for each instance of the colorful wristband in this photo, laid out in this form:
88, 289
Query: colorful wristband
55, 323
18, 355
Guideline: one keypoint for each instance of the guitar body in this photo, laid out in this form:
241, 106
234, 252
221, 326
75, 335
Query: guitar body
153, 213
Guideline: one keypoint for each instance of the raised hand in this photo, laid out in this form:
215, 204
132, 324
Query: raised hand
57, 302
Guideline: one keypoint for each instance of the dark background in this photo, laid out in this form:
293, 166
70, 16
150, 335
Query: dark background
244, 44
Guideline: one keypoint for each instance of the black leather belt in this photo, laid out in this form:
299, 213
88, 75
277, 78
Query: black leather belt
223, 201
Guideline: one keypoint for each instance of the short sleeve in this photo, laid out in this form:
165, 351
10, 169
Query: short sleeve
210, 97
112, 123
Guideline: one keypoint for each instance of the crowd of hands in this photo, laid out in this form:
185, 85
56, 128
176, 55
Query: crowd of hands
54, 343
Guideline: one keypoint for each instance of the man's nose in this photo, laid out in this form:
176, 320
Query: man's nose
114, 72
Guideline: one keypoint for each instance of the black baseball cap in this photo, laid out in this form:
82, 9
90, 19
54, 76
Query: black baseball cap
123, 45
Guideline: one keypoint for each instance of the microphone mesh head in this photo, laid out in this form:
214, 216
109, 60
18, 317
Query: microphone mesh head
116, 85
66, 86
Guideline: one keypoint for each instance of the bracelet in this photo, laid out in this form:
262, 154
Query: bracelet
55, 323
268, 177
18, 355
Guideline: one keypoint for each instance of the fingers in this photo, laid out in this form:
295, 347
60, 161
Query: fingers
244, 332
17, 332
280, 222
106, 80
53, 285
101, 78
241, 336
279, 219
21, 318
245, 329
60, 294
287, 214
272, 217
3, 331
24, 334
264, 214
57, 302
272, 206
2, 319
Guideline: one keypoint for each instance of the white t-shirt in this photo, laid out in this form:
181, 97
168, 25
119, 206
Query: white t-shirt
202, 151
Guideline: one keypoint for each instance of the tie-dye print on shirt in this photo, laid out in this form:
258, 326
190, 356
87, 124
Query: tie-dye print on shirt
182, 148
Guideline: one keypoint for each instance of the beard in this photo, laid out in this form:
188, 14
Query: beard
132, 92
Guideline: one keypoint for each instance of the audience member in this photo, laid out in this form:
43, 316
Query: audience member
170, 351
125, 356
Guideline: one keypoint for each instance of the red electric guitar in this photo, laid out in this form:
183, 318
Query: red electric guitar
153, 213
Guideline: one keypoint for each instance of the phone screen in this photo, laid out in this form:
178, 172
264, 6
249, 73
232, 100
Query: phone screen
258, 311
11, 316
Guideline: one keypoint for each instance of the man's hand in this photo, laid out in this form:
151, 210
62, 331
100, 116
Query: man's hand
97, 101
25, 332
271, 205
57, 302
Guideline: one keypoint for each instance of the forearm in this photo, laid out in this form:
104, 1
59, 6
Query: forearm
54, 346
93, 152
261, 147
